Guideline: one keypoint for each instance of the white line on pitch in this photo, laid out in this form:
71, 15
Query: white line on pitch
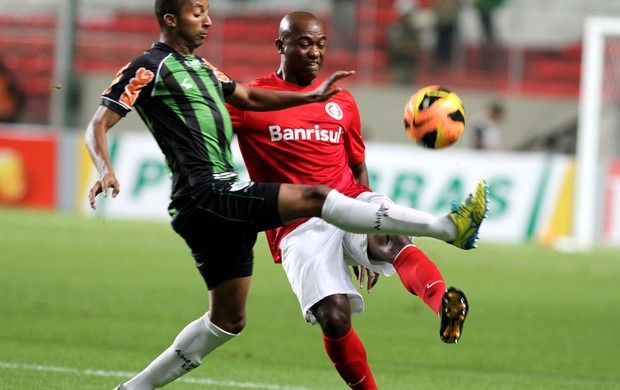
121, 374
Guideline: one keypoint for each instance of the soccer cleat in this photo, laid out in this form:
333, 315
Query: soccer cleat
454, 308
468, 216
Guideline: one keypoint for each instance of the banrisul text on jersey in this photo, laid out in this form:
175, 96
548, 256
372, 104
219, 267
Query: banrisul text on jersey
278, 133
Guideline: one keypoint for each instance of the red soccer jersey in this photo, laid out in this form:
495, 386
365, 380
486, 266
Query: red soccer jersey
309, 144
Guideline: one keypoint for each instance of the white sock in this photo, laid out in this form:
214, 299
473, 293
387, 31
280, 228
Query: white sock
360, 217
196, 341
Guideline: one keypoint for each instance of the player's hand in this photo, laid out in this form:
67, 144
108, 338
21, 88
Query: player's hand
361, 273
104, 184
326, 90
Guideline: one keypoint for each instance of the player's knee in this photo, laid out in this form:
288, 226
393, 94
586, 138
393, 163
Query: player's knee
231, 324
335, 324
237, 326
313, 197
386, 247
316, 194
333, 314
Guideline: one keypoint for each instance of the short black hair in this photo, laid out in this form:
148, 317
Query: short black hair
163, 7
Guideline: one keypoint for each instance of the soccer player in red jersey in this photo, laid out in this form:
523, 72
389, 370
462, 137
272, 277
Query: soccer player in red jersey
321, 143
180, 97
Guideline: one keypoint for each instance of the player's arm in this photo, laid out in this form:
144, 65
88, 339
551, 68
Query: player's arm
258, 99
360, 172
97, 145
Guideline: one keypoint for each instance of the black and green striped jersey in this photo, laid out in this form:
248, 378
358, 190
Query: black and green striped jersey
181, 101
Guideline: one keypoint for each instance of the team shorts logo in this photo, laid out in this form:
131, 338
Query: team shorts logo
240, 185
334, 110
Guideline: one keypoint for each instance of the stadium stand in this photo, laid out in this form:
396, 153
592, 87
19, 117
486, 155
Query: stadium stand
104, 44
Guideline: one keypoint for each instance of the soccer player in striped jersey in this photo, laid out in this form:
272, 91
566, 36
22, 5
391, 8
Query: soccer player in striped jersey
321, 143
180, 97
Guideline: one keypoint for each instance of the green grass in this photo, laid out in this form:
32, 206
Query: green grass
85, 302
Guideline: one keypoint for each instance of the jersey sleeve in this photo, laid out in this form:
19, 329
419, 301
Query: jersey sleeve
133, 84
228, 86
354, 143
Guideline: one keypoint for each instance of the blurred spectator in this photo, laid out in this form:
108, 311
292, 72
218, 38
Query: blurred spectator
486, 11
11, 97
344, 24
410, 39
404, 43
445, 26
486, 127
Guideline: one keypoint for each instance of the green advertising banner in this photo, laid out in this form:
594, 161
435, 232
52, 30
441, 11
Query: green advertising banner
525, 188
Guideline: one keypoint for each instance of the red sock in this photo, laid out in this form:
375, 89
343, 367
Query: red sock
420, 276
349, 357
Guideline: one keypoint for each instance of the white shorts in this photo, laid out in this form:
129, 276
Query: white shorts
317, 256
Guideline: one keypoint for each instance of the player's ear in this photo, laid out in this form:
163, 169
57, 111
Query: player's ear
170, 20
279, 45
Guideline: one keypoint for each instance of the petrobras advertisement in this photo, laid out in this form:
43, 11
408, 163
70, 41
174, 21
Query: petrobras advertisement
529, 192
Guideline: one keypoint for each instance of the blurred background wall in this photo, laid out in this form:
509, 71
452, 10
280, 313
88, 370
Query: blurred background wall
524, 55
531, 61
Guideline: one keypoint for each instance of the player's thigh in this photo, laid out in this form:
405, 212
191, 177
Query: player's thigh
250, 204
301, 201
313, 248
222, 250
312, 258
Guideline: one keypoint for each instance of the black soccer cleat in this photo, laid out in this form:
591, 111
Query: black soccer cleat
454, 308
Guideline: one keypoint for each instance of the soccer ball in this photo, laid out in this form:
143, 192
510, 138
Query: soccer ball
434, 117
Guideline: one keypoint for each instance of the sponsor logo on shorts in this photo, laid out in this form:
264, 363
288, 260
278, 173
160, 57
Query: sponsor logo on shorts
240, 185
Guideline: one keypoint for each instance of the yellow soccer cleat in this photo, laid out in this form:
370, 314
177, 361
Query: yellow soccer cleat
469, 215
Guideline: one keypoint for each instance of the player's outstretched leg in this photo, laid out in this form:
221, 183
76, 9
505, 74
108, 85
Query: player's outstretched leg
454, 308
459, 227
469, 215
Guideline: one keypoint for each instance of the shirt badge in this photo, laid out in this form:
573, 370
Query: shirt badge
334, 110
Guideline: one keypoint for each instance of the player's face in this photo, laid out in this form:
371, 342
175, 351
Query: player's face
193, 23
303, 52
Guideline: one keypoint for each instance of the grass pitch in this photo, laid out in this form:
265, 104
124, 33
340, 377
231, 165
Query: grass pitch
87, 302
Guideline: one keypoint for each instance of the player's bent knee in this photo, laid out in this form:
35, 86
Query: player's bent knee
313, 197
386, 247
234, 326
333, 314
299, 201
316, 193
